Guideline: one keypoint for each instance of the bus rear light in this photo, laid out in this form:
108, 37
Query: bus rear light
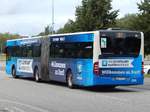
96, 68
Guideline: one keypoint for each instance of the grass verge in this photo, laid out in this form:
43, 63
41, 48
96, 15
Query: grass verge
147, 75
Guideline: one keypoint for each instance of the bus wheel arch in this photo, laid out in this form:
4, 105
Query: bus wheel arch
69, 78
13, 71
36, 74
148, 71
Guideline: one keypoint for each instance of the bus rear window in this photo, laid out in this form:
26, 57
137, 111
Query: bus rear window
128, 46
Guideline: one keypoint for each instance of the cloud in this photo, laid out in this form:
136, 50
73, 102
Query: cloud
29, 17
125, 6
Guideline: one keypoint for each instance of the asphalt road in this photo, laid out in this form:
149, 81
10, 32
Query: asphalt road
25, 95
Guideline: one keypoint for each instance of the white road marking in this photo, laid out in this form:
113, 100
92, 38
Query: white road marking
18, 109
115, 98
25, 105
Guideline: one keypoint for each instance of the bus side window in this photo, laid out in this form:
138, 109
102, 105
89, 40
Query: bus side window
14, 51
85, 50
88, 51
80, 53
36, 50
56, 50
29, 51
8, 53
52, 50
69, 50
24, 51
18, 51
59, 50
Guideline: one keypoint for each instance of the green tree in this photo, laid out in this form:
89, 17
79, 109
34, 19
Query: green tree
95, 14
91, 15
6, 36
139, 21
47, 31
143, 22
68, 27
127, 22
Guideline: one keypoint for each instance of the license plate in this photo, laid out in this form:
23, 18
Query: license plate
120, 78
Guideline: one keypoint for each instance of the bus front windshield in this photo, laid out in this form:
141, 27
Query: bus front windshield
128, 46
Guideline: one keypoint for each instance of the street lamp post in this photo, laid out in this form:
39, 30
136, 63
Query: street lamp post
53, 23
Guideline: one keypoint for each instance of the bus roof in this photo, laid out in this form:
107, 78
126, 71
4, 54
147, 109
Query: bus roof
66, 34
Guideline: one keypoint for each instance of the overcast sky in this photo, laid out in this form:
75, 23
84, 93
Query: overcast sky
29, 17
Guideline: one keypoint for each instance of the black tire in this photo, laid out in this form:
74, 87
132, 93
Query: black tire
36, 75
148, 71
13, 72
69, 80
110, 87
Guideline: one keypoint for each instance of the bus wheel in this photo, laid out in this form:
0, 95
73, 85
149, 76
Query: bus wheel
36, 75
14, 72
110, 87
148, 72
69, 80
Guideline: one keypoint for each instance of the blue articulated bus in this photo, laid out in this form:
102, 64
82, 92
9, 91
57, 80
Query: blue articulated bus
105, 57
